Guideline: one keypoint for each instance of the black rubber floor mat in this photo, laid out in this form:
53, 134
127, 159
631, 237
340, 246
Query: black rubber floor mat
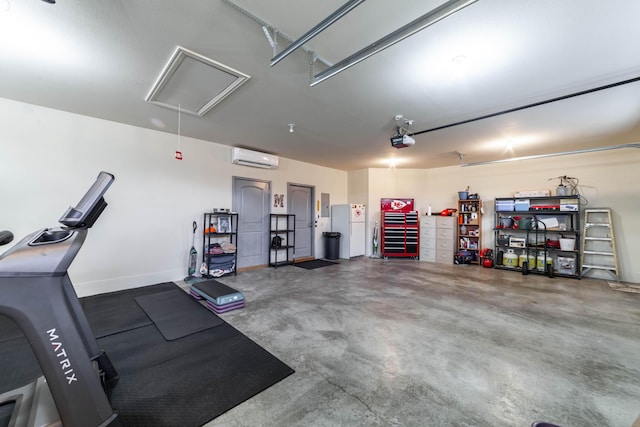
184, 382
115, 312
176, 314
316, 263
190, 381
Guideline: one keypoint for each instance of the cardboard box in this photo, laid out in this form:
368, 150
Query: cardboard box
566, 265
569, 201
569, 208
569, 205
517, 242
532, 193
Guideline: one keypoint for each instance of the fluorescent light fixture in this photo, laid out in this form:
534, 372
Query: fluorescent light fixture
544, 156
339, 13
402, 33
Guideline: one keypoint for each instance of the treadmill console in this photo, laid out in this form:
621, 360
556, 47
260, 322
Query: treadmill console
51, 251
89, 208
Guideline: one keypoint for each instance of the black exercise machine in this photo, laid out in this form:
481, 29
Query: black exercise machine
38, 295
5, 237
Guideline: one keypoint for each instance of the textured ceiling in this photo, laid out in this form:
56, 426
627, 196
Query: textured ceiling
101, 58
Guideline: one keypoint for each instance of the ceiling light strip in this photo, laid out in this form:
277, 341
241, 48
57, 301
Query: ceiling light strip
544, 156
402, 33
339, 13
273, 29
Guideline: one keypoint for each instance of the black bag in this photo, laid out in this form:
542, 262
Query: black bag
276, 242
462, 257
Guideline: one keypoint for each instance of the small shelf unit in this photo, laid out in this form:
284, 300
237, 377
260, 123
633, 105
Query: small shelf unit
282, 241
218, 229
469, 228
543, 232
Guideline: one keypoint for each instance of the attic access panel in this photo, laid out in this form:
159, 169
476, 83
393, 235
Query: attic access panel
193, 83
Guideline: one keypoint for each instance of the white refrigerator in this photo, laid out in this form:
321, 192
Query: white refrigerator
349, 221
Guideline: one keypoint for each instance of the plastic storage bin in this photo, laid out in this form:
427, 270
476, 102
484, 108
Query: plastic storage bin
505, 205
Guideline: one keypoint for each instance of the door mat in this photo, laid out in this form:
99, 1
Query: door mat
316, 263
624, 287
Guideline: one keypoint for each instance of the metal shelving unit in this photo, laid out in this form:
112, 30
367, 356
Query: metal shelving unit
531, 235
220, 228
469, 229
282, 242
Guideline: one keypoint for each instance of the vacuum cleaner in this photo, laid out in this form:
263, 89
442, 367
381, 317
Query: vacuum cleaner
38, 295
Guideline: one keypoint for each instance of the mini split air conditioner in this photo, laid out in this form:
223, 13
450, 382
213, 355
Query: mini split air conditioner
255, 159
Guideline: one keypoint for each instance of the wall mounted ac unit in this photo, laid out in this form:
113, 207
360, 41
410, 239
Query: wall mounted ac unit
242, 156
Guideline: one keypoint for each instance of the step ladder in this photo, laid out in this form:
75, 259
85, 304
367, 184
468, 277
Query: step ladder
598, 243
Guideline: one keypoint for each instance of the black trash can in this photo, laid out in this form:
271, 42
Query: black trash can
331, 244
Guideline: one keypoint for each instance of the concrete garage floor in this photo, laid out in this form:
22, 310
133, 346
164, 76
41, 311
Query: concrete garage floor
409, 343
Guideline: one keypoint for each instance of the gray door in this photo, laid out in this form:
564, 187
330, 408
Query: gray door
301, 205
251, 202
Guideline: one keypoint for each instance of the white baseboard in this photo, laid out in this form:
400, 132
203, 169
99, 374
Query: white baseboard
84, 289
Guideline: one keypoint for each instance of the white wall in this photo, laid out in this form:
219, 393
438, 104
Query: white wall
49, 158
607, 179
358, 190
394, 183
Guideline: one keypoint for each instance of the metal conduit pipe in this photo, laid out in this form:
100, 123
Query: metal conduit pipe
535, 104
339, 13
271, 38
419, 24
542, 156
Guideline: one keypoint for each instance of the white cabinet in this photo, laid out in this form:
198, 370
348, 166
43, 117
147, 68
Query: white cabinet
428, 238
445, 236
437, 237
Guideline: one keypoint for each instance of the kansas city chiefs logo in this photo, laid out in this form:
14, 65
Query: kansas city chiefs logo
398, 204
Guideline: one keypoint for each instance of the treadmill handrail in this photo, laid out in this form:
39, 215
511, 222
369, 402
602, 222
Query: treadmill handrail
5, 237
